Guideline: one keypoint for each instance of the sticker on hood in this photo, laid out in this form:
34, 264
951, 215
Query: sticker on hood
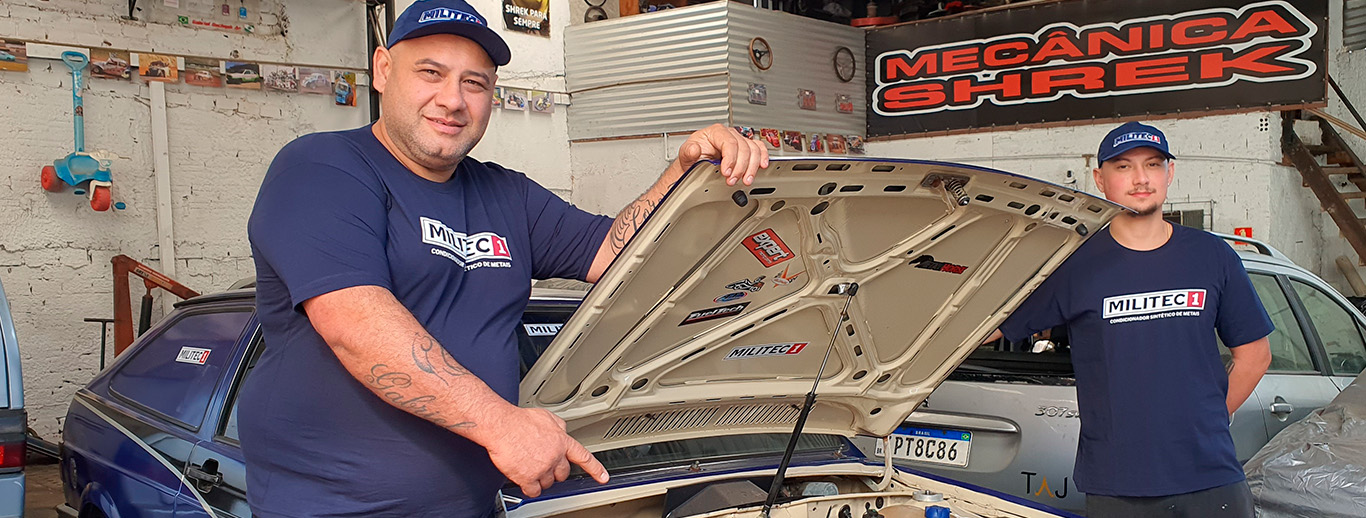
755, 351
734, 295
747, 285
927, 262
542, 329
192, 355
703, 315
767, 247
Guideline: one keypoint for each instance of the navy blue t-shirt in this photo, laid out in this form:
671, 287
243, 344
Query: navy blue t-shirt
1151, 387
337, 210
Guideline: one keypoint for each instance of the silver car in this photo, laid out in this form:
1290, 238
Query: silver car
13, 420
1018, 408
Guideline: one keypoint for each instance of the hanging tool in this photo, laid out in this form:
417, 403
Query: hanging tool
123, 310
79, 167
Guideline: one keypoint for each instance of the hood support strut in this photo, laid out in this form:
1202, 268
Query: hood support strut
849, 290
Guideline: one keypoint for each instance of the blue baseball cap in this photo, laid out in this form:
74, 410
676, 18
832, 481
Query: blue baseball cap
1132, 135
428, 17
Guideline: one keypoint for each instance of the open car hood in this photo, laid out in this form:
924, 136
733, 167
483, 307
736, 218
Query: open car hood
715, 318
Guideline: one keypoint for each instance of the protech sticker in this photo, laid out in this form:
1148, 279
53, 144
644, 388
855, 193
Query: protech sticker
768, 248
755, 351
735, 295
542, 329
703, 315
927, 262
747, 285
192, 355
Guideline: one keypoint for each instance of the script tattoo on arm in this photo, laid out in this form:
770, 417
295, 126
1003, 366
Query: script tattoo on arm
393, 385
630, 220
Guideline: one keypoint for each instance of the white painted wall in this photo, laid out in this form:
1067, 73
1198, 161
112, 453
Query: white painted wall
55, 251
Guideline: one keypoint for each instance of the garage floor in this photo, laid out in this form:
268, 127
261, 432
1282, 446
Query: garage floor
43, 490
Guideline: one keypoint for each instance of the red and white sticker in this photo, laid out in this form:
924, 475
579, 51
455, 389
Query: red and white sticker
756, 351
1153, 302
192, 355
767, 247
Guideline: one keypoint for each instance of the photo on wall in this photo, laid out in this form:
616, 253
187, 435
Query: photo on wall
281, 78
109, 64
13, 55
771, 138
541, 102
344, 88
203, 72
514, 99
792, 141
315, 80
243, 75
158, 67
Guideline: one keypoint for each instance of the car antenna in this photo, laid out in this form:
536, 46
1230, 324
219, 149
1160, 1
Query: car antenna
847, 289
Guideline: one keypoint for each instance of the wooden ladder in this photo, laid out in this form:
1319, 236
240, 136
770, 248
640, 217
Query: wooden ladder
1340, 162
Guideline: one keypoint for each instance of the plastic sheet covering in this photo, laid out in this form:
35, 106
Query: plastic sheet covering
1315, 468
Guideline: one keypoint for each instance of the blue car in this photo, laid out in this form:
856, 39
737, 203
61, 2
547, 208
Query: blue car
746, 328
13, 419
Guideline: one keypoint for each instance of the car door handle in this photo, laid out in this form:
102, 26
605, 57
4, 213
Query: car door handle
206, 477
1281, 408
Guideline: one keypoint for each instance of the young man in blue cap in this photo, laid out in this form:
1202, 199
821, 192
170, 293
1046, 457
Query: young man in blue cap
1143, 300
391, 271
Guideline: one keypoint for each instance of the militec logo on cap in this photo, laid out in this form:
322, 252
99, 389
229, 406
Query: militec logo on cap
444, 14
1138, 135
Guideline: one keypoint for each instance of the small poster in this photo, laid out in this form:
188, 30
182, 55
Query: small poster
758, 94
158, 67
855, 144
243, 75
109, 64
816, 144
844, 104
836, 143
514, 99
281, 78
792, 141
806, 99
315, 80
745, 131
497, 97
13, 55
541, 102
203, 72
529, 16
344, 88
770, 137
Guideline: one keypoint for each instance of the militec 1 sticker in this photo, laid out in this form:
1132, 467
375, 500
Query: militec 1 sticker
192, 355
755, 351
703, 315
767, 247
927, 262
542, 329
1154, 304
747, 285
734, 295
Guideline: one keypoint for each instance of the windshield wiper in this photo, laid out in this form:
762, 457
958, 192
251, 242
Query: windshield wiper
848, 289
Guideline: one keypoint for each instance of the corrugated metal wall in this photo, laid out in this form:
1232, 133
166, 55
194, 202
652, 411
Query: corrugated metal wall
682, 69
647, 74
1354, 24
803, 59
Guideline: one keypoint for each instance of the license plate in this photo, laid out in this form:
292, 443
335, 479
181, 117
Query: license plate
949, 447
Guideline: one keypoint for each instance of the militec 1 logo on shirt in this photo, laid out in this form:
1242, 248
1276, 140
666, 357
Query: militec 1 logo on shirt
485, 249
1153, 304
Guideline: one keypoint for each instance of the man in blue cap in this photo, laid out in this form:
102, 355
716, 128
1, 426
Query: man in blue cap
1143, 300
392, 270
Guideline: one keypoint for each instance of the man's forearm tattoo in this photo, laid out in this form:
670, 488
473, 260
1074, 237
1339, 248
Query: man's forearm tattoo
424, 348
630, 220
389, 384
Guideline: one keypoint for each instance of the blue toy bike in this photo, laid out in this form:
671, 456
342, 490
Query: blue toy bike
79, 166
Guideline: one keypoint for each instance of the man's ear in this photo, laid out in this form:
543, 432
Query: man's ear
1171, 172
381, 62
1095, 176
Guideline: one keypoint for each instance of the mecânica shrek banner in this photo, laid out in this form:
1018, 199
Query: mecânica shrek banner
1074, 60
